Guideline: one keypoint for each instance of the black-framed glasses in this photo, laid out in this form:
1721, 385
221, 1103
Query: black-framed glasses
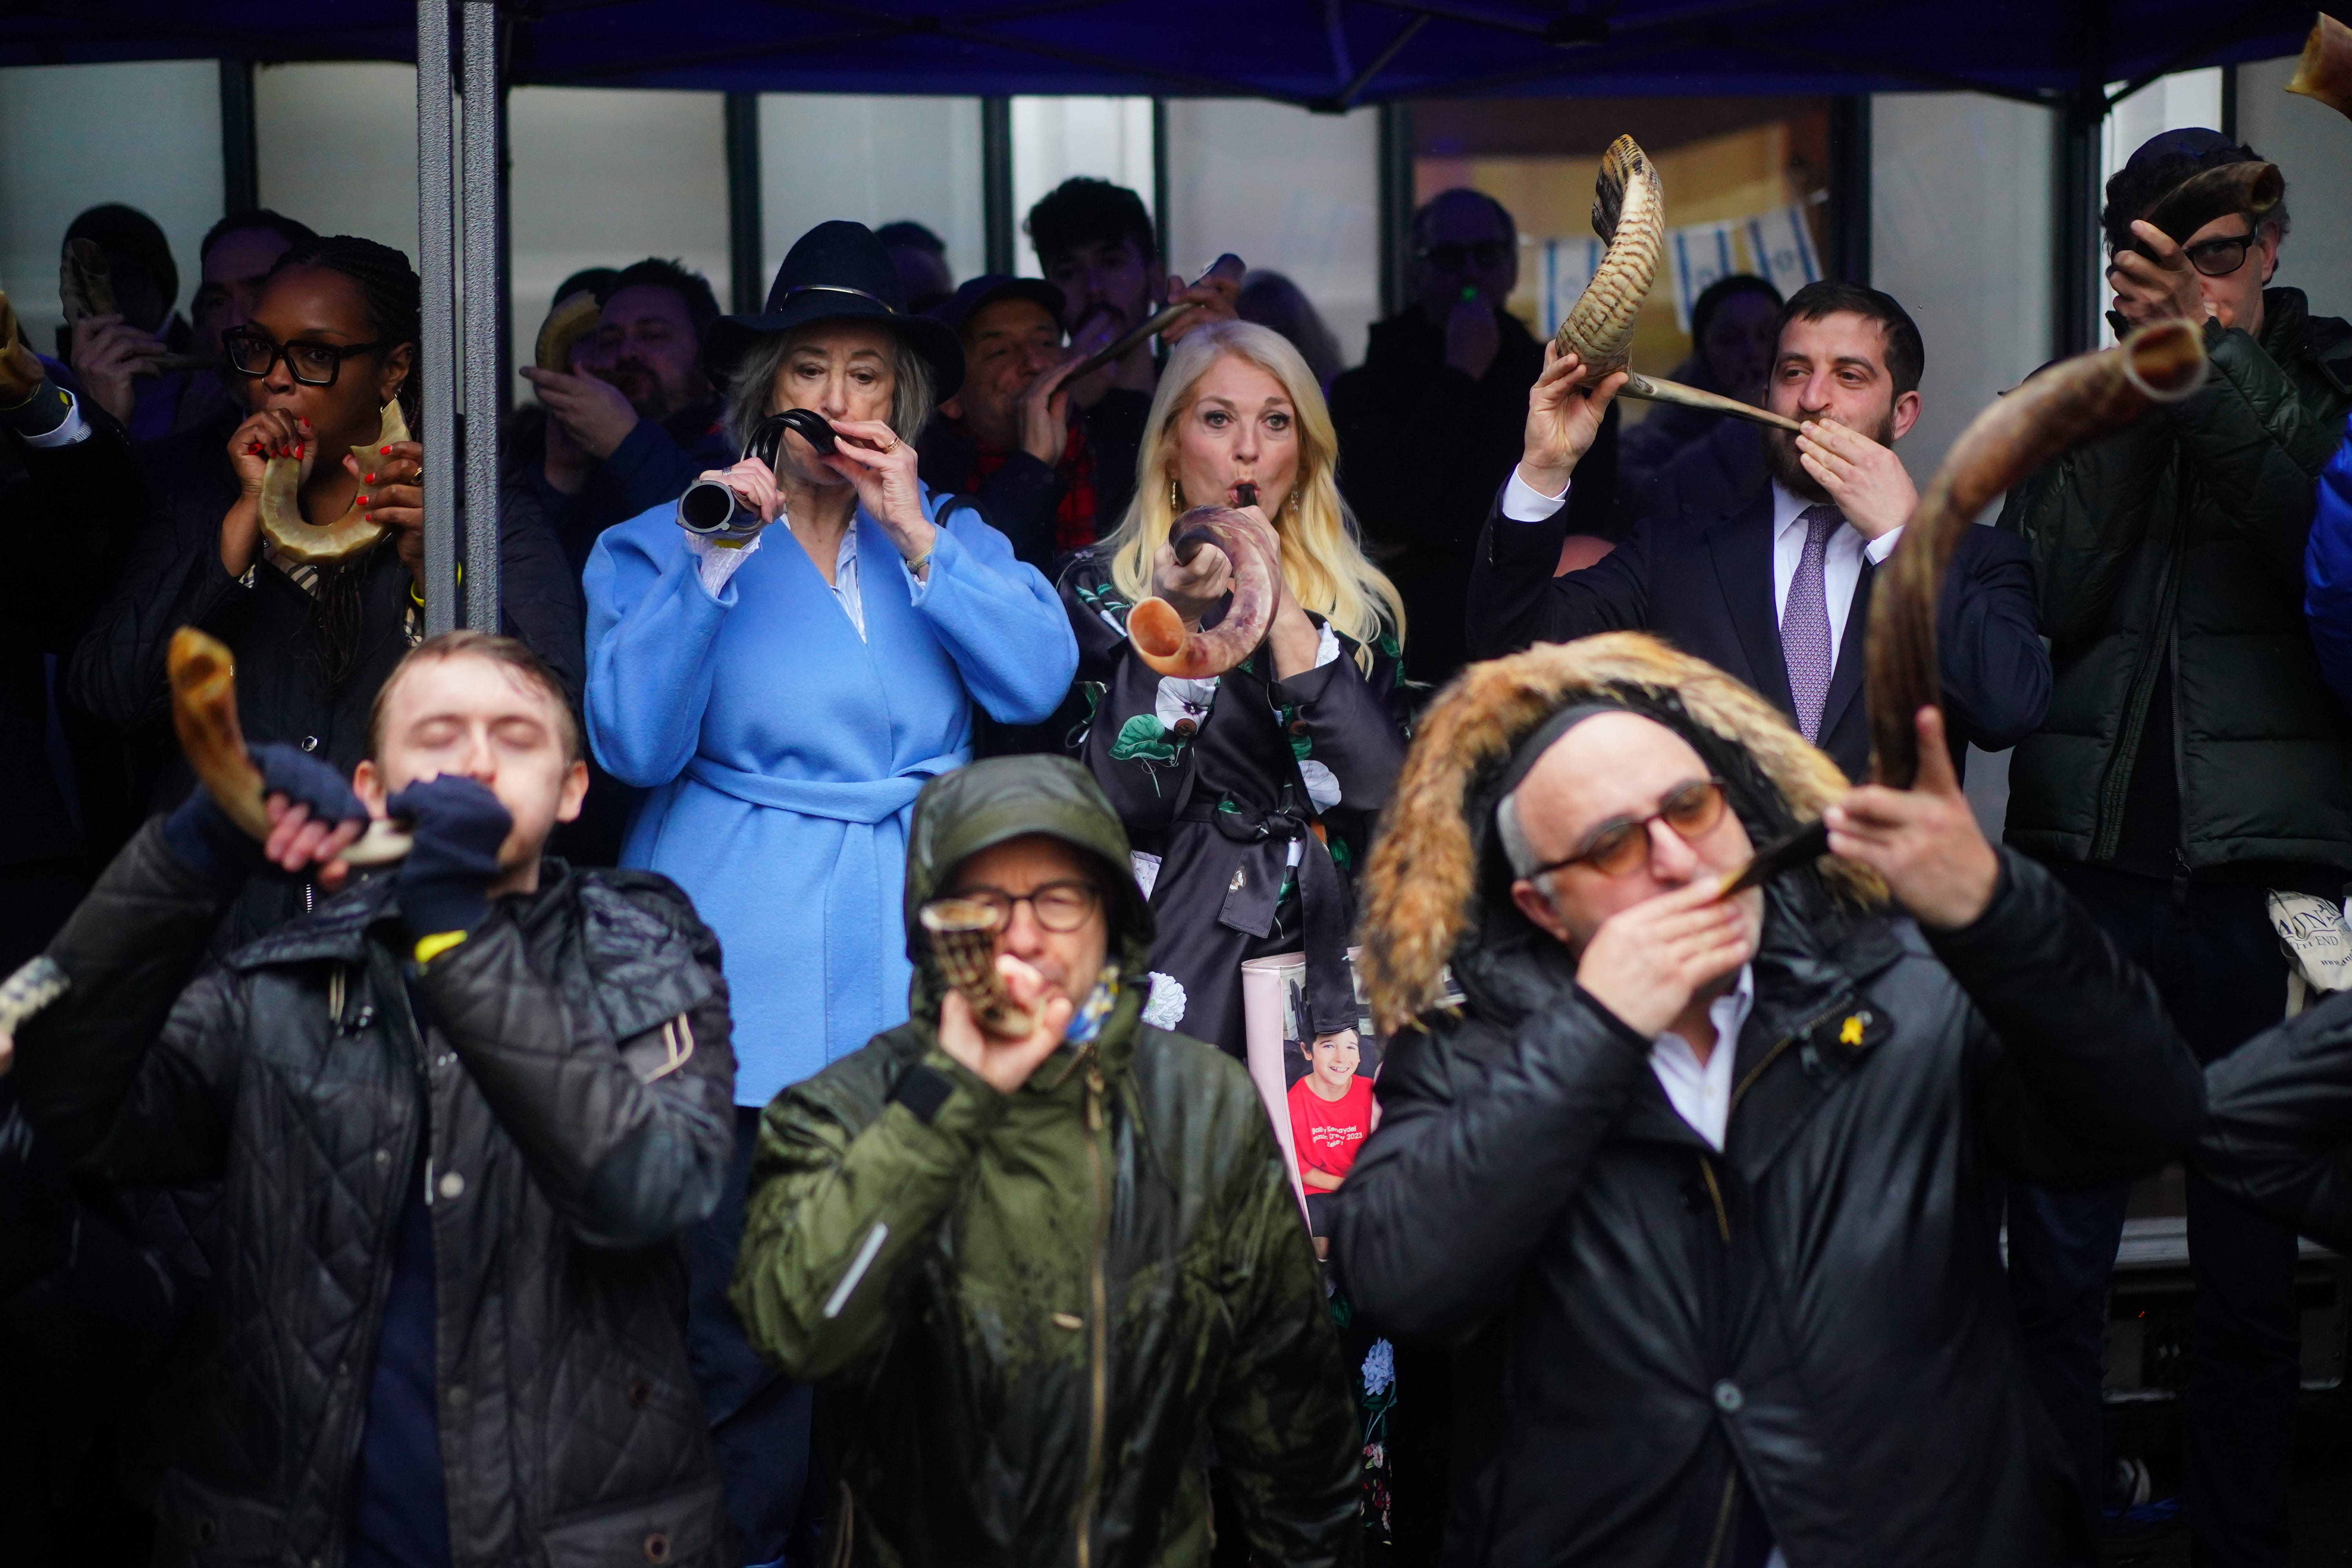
1619, 845
1453, 257
313, 364
2219, 257
1060, 906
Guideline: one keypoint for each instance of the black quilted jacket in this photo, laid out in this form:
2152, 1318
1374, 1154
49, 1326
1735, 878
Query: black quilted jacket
572, 1101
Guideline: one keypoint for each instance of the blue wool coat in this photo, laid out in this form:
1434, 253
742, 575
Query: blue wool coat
784, 755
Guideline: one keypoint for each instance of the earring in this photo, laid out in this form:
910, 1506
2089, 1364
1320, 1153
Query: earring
1175, 496
1291, 504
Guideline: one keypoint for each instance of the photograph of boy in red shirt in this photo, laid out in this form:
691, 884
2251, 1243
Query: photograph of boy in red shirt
1331, 1110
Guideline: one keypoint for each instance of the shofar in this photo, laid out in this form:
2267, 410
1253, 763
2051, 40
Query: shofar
1629, 208
2072, 402
2326, 72
1159, 635
349, 535
963, 941
203, 710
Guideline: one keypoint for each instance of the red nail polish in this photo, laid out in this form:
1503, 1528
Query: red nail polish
383, 452
371, 479
364, 500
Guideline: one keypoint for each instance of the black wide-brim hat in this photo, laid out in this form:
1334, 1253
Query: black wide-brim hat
837, 271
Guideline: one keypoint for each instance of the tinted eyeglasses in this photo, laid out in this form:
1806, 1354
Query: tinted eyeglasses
1452, 258
2219, 257
313, 364
1619, 846
1061, 907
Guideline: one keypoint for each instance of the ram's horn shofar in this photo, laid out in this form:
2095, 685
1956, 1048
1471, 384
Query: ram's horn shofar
962, 934
352, 534
1628, 207
1159, 636
203, 710
2249, 188
2325, 72
2074, 402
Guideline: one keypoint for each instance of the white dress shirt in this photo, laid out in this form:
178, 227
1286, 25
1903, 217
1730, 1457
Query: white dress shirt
1701, 1093
1840, 568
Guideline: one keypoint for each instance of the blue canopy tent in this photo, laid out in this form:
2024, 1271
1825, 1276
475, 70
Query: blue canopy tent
1328, 55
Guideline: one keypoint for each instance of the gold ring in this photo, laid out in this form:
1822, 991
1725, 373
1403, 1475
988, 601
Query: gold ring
893, 445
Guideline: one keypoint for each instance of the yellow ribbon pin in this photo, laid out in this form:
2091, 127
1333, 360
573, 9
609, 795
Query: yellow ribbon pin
1851, 1034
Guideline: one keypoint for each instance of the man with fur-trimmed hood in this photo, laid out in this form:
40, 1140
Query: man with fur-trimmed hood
1694, 1190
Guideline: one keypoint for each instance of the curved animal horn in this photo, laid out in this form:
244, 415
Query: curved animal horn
1159, 634
2326, 72
1628, 214
2249, 188
574, 317
2074, 402
349, 535
962, 932
202, 677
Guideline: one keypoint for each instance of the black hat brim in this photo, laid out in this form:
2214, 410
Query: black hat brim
731, 337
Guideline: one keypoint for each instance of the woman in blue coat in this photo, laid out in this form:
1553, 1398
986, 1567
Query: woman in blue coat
784, 701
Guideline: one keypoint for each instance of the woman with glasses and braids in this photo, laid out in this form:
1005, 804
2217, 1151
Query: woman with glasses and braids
331, 342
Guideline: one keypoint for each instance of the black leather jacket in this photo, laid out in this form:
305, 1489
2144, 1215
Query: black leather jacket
568, 1147
1640, 1323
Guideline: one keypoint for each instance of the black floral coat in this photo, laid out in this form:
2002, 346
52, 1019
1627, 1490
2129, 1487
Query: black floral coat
1249, 801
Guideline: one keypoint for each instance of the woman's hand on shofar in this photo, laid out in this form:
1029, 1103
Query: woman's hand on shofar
754, 484
1190, 587
273, 433
391, 493
871, 458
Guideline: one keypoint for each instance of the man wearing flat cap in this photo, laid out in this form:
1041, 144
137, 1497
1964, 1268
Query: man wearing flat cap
1692, 1190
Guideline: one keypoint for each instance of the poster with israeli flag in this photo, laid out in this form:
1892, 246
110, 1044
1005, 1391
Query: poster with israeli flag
1782, 244
1567, 266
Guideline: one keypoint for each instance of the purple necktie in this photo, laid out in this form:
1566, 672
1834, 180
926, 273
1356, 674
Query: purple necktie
1805, 623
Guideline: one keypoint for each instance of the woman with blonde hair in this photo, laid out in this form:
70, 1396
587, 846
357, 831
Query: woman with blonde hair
1248, 796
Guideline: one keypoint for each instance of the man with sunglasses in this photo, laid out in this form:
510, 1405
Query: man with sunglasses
1047, 1270
1693, 1194
2194, 761
1429, 424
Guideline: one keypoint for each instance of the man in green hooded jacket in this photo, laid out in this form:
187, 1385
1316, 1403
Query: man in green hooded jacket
1048, 1273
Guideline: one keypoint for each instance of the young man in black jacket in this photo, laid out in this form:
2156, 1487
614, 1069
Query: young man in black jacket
460, 1115
1694, 1190
2193, 762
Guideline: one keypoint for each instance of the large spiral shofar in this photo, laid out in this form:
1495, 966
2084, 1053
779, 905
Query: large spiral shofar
203, 710
2326, 72
2074, 401
1159, 636
1628, 214
962, 932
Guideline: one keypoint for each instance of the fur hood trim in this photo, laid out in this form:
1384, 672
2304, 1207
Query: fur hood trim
1422, 887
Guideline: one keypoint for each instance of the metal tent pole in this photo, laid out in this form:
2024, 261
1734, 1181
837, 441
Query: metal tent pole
437, 263
485, 285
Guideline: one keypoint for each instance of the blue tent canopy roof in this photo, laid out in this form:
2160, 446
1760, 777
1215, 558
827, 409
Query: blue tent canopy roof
1310, 52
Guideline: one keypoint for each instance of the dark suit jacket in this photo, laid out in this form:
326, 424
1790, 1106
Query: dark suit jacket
1706, 586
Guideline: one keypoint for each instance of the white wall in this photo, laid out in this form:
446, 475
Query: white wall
2312, 145
1960, 233
873, 160
337, 148
1284, 189
603, 178
74, 136
1056, 138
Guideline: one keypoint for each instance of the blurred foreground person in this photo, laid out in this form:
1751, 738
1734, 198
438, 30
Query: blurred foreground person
2194, 766
1697, 1191
461, 1114
1049, 1271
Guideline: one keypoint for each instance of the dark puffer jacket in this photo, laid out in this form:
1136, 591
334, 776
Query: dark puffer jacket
1041, 1306
2179, 543
566, 1146
1646, 1330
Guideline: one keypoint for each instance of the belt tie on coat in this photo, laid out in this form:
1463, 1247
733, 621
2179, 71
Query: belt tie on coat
861, 899
1325, 909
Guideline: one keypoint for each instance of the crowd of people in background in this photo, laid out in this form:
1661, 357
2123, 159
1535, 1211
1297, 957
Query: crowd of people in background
630, 1175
